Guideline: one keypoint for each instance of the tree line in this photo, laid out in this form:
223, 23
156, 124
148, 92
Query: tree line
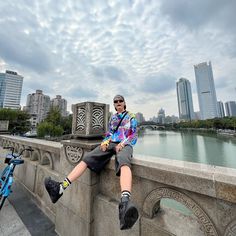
54, 125
216, 123
18, 120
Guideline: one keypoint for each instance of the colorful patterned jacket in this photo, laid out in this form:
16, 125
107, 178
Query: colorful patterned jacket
127, 131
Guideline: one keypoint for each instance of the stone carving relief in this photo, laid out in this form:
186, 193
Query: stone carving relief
74, 154
231, 229
152, 203
97, 118
80, 119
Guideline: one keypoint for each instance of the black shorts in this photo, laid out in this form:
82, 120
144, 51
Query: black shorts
97, 159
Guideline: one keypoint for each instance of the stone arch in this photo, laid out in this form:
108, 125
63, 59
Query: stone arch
3, 142
47, 159
152, 204
10, 143
35, 155
16, 147
27, 154
21, 147
6, 142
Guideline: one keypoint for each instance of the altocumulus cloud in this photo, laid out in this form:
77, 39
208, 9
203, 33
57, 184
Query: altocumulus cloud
161, 83
110, 73
23, 50
91, 50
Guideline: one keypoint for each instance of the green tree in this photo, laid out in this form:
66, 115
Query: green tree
66, 123
54, 125
54, 116
48, 129
18, 120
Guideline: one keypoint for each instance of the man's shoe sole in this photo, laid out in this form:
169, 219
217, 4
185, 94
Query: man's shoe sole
131, 216
46, 180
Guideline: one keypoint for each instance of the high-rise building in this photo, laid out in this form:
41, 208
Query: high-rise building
38, 106
139, 117
185, 101
60, 103
221, 110
206, 91
10, 89
161, 116
230, 108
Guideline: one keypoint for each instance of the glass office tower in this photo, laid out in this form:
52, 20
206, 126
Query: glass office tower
185, 101
206, 91
10, 89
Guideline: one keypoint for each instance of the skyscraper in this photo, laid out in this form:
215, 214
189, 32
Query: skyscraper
60, 103
38, 106
206, 91
230, 108
10, 89
221, 110
139, 117
185, 101
161, 116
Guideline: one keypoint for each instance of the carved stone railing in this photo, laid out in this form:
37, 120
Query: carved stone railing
89, 206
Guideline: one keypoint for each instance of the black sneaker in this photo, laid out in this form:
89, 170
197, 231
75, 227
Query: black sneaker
128, 214
53, 188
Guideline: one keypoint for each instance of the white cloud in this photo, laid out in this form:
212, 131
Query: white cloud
91, 49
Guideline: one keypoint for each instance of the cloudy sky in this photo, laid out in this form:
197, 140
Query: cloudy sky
90, 50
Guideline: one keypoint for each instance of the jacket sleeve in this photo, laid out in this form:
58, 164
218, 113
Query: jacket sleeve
132, 137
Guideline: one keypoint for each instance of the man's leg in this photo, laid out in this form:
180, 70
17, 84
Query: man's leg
125, 178
128, 213
95, 160
77, 171
55, 189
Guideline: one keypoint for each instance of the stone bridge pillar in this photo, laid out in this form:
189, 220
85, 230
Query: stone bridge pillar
74, 213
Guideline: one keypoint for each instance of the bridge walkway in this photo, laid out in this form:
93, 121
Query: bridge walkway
20, 216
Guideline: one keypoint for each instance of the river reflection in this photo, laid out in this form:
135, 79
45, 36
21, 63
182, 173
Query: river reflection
194, 147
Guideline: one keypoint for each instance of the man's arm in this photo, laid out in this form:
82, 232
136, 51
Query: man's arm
105, 142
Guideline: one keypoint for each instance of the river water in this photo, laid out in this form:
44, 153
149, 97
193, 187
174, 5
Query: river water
186, 146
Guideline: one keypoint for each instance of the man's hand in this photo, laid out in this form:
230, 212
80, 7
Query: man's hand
119, 147
103, 147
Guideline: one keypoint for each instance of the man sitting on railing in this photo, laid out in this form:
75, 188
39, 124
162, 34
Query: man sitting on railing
119, 140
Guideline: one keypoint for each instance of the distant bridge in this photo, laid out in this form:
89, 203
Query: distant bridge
151, 125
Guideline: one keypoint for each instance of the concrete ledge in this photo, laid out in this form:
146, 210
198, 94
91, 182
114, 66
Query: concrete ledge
217, 182
38, 143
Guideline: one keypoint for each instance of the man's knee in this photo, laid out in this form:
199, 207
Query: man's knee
125, 167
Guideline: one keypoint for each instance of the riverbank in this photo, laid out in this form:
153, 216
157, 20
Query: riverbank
224, 132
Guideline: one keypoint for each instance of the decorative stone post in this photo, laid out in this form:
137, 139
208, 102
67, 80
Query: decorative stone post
89, 124
74, 211
89, 119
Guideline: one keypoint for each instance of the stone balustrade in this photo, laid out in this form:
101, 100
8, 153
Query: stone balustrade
90, 205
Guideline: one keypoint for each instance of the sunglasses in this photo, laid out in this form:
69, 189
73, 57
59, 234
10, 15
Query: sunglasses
120, 101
